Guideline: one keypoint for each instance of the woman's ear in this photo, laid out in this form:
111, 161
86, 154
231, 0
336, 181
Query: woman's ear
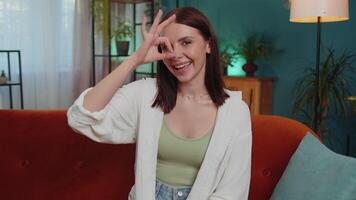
208, 49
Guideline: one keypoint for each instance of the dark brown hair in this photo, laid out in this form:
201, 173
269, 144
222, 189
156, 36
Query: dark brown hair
167, 83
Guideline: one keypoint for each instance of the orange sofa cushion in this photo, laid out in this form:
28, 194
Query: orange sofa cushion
42, 159
275, 139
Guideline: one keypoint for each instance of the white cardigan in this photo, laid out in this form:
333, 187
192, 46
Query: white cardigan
129, 117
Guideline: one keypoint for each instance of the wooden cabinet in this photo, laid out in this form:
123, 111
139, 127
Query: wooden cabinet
257, 92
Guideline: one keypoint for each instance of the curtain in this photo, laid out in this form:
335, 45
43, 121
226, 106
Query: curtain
82, 47
51, 37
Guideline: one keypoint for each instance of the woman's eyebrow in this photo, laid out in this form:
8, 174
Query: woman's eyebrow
184, 38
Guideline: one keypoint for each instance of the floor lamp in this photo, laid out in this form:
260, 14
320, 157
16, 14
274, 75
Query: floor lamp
318, 11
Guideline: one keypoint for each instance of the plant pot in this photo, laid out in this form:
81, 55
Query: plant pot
122, 47
3, 79
250, 68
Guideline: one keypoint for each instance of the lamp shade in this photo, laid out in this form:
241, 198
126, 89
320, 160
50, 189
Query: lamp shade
308, 11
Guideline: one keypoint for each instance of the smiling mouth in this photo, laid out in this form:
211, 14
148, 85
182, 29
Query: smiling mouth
181, 67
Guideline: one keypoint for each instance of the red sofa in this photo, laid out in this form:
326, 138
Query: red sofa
42, 158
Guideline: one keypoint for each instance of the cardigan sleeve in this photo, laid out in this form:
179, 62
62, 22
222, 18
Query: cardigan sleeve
235, 182
116, 123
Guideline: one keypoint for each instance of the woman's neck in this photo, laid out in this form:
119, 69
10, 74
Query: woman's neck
192, 90
195, 88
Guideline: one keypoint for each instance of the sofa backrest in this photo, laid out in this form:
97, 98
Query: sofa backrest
43, 158
275, 139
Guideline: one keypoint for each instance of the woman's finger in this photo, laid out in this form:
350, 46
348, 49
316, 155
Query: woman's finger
165, 41
143, 27
166, 55
156, 21
166, 23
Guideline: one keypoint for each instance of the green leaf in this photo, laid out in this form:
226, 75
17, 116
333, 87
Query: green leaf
334, 83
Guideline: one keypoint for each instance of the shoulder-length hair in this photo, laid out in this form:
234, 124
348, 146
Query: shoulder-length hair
167, 83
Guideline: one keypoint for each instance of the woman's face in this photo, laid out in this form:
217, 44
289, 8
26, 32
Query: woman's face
190, 49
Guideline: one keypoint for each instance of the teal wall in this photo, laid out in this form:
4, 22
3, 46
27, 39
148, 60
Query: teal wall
233, 19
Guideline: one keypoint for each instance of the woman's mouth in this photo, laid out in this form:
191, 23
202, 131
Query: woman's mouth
181, 67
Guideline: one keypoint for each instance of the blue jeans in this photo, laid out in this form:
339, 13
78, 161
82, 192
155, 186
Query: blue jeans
168, 192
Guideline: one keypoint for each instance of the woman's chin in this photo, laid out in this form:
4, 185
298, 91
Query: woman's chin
185, 78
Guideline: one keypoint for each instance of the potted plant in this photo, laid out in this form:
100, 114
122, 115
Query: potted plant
122, 33
3, 78
121, 29
334, 83
101, 12
256, 47
156, 6
227, 57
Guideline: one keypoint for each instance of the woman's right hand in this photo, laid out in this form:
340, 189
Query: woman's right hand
97, 98
148, 51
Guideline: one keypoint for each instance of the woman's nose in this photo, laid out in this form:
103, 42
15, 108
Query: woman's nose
177, 52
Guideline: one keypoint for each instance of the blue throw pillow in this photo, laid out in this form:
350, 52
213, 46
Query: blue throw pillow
316, 173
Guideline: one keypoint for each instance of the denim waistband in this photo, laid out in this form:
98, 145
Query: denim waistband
169, 192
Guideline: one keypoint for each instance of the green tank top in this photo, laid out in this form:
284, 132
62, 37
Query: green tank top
179, 159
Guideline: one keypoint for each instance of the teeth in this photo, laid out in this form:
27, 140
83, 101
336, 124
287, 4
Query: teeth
182, 66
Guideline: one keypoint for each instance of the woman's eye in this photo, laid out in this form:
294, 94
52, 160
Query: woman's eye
163, 48
185, 43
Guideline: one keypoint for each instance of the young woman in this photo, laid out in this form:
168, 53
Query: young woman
193, 136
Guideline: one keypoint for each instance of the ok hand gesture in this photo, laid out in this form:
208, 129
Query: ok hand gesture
148, 51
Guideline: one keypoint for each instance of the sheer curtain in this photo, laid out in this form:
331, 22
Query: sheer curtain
81, 47
44, 33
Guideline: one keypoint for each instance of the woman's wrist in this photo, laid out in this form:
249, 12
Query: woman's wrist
134, 60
